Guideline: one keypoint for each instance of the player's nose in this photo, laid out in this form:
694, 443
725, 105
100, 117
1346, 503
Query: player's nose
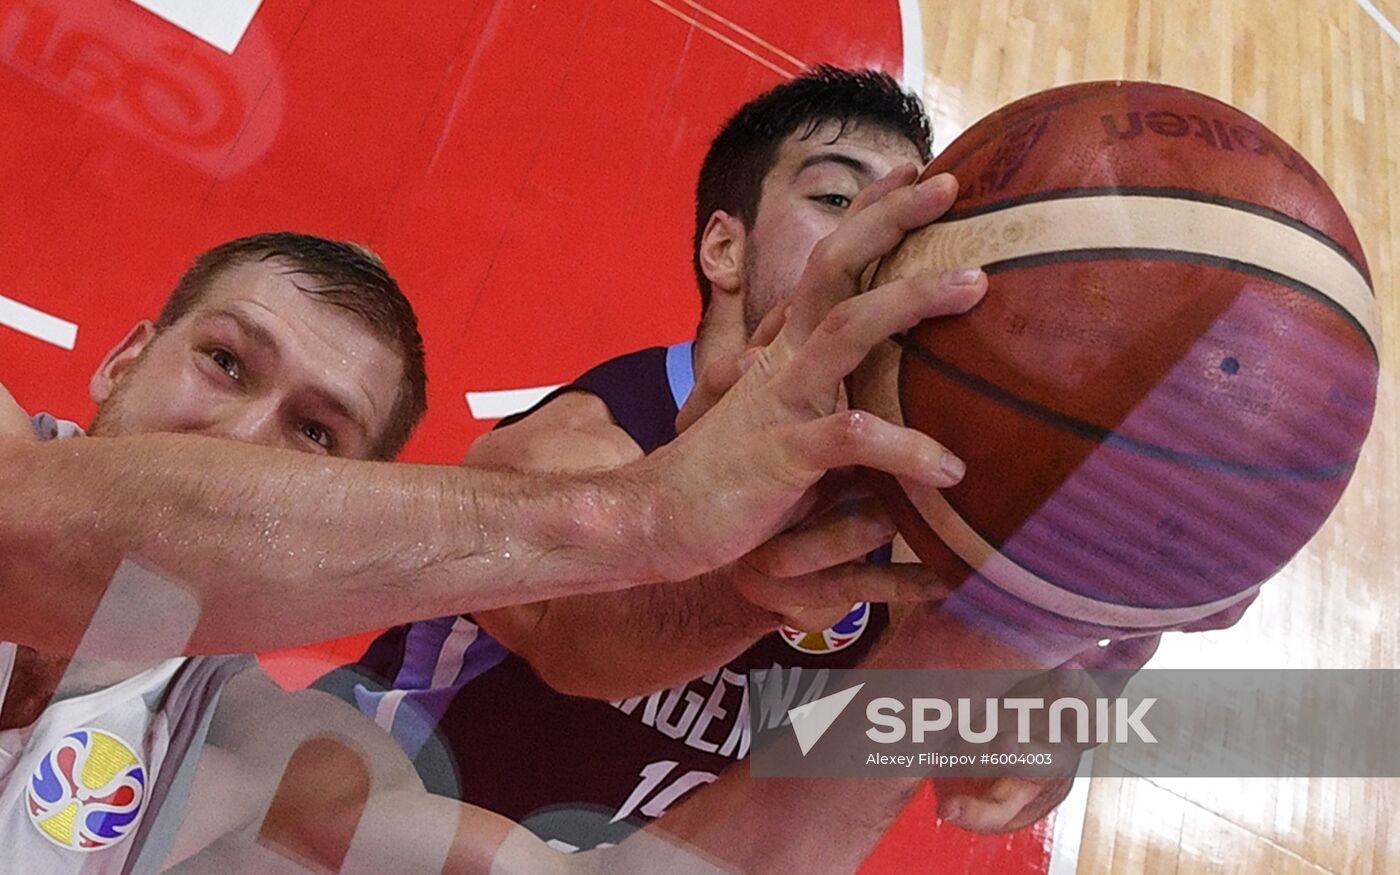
254, 421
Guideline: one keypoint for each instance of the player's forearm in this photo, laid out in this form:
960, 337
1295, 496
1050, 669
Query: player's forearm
277, 548
656, 637
617, 644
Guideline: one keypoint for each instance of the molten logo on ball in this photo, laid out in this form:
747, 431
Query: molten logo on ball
87, 793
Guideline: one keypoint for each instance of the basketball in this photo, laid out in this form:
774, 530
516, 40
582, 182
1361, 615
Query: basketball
1166, 388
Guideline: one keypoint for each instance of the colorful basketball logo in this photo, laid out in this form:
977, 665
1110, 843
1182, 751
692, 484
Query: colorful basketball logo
86, 793
838, 637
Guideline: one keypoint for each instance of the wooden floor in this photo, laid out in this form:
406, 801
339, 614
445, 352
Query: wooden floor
1322, 73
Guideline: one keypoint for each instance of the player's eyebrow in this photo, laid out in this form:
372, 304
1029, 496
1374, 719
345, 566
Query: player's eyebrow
250, 328
342, 409
336, 401
855, 165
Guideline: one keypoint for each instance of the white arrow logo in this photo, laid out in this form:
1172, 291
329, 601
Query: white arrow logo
811, 721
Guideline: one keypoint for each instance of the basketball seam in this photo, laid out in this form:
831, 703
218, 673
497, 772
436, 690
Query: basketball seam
1108, 436
1183, 256
1105, 629
1170, 193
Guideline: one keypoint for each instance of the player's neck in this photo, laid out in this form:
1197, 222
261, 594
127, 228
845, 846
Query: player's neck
713, 342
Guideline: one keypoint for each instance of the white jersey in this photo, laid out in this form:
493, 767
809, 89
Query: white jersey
82, 777
97, 784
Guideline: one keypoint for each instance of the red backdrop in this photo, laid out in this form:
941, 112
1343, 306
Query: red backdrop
525, 168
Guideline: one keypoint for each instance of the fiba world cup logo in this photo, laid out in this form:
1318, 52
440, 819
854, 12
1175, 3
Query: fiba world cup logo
838, 637
86, 793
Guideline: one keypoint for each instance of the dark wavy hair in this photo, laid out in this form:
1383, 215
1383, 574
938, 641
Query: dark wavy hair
746, 148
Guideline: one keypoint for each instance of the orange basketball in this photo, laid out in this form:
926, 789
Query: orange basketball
1166, 388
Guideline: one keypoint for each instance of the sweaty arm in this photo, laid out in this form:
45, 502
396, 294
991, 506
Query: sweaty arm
657, 636
258, 548
252, 547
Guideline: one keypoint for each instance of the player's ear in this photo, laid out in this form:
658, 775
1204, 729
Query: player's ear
722, 252
119, 360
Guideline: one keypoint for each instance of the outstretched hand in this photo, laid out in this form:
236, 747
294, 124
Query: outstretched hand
747, 466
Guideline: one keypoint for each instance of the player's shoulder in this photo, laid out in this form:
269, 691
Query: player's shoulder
575, 408
573, 431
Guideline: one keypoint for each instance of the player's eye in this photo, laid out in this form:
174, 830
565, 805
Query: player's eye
318, 434
836, 201
226, 362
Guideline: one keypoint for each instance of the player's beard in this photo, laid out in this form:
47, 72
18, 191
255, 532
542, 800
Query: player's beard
111, 420
766, 285
756, 294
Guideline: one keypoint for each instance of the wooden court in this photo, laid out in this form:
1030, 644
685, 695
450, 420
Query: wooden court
1321, 73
